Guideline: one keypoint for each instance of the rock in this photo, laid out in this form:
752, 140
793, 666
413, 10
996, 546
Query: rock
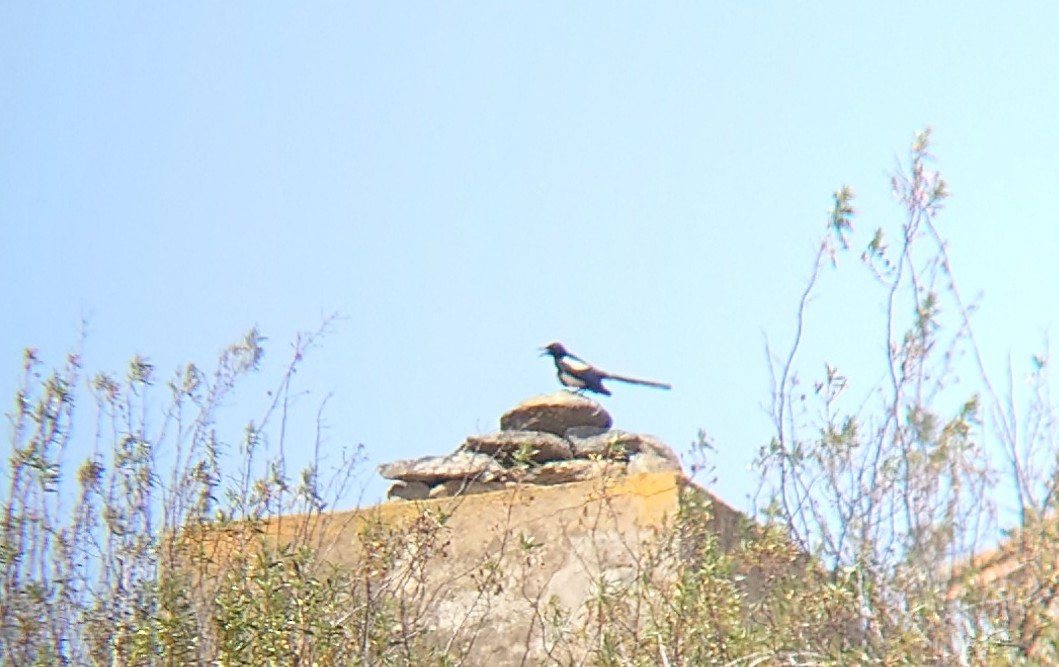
654, 456
540, 447
574, 470
462, 487
408, 491
583, 431
546, 440
434, 469
555, 413
587, 442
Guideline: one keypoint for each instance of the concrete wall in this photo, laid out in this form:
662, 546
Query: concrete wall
482, 574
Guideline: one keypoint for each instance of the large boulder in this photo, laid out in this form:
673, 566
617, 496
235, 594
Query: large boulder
434, 469
537, 446
555, 413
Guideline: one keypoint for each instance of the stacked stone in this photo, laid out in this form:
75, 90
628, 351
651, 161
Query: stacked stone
552, 439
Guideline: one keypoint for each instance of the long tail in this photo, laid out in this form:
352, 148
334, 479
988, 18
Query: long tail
646, 383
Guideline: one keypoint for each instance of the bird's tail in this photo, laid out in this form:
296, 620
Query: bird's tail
646, 383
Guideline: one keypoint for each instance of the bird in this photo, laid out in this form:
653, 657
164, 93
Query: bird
575, 372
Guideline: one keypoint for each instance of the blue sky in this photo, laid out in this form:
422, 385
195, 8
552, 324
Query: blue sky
645, 183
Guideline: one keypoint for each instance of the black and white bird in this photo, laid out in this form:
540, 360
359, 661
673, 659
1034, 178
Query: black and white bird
575, 372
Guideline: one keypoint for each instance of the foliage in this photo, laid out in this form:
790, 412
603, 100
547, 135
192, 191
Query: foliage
893, 484
89, 564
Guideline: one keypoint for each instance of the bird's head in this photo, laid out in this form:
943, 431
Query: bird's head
555, 349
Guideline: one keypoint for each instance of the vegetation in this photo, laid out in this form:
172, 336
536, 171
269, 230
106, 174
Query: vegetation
875, 540
894, 488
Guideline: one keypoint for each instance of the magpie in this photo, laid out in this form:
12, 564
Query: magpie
575, 372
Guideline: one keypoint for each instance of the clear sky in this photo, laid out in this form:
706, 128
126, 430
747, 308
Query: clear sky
645, 182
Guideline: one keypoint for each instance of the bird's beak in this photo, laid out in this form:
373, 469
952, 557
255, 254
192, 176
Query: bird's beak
543, 350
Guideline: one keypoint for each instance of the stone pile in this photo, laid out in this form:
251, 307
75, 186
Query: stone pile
546, 440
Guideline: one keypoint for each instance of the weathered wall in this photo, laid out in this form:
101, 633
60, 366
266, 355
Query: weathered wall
496, 563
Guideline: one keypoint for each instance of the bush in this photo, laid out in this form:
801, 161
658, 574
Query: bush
893, 484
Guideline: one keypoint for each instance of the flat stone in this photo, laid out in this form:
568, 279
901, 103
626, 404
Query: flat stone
432, 470
584, 431
540, 447
588, 442
408, 491
555, 413
564, 472
462, 487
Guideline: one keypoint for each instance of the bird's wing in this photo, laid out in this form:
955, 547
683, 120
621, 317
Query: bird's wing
571, 380
577, 365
